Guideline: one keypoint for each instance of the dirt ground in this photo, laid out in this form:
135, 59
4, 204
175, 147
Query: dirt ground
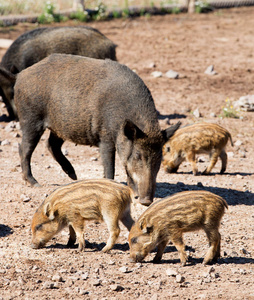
188, 45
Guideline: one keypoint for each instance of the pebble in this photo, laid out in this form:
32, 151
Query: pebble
179, 278
123, 269
24, 198
238, 143
172, 74
171, 272
57, 278
212, 115
116, 287
210, 70
196, 113
5, 143
48, 285
156, 74
96, 282
10, 127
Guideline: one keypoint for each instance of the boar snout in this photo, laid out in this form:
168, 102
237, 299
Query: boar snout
38, 245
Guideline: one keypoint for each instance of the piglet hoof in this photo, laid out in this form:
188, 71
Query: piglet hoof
156, 260
106, 249
145, 202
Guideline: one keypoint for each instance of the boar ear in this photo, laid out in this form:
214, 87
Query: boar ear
167, 133
14, 69
131, 131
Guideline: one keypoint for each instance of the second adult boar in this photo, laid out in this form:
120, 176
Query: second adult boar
91, 102
34, 45
205, 138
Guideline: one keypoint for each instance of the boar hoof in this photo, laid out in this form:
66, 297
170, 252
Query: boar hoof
106, 249
73, 176
145, 202
156, 260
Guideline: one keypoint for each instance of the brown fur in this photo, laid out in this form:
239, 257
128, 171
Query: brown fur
195, 139
170, 217
74, 204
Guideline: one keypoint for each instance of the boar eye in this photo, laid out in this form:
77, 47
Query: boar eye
134, 240
38, 227
138, 155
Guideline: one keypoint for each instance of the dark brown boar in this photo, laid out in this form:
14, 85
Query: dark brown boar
207, 138
34, 45
76, 203
169, 218
91, 102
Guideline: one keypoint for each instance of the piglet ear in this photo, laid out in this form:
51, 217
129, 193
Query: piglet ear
169, 132
146, 228
48, 212
131, 131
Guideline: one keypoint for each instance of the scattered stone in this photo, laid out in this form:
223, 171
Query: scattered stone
151, 65
94, 159
172, 74
196, 113
116, 287
156, 74
245, 103
171, 272
230, 154
210, 70
96, 282
57, 278
65, 152
10, 127
83, 292
212, 115
179, 278
124, 269
5, 43
242, 153
111, 263
16, 135
48, 285
24, 198
5, 143
238, 143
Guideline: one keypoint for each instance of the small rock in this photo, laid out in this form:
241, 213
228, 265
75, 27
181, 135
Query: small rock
210, 70
48, 285
151, 65
94, 159
65, 152
116, 287
96, 282
245, 103
172, 74
238, 176
238, 143
84, 276
111, 263
171, 272
10, 127
201, 159
196, 113
24, 198
83, 292
57, 278
179, 278
123, 269
230, 154
242, 153
211, 270
16, 135
212, 115
156, 74
5, 143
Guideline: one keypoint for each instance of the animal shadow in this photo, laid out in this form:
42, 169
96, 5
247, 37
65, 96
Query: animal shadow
5, 230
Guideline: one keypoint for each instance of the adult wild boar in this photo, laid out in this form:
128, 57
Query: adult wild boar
91, 102
34, 45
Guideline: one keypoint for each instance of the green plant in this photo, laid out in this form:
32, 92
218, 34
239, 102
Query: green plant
101, 13
228, 111
202, 6
80, 15
49, 15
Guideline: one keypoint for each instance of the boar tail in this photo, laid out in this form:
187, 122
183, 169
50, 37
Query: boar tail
231, 141
169, 132
7, 77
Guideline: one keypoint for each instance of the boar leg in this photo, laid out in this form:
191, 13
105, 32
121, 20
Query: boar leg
107, 152
72, 238
213, 160
30, 140
178, 242
161, 247
224, 158
114, 230
214, 243
54, 146
191, 159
